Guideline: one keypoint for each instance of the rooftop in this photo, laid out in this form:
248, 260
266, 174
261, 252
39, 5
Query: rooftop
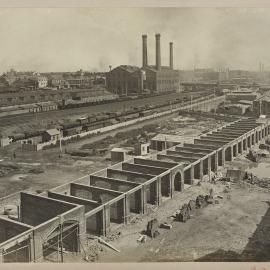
168, 138
53, 131
129, 68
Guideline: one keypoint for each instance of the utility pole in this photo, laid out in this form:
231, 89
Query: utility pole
60, 145
61, 242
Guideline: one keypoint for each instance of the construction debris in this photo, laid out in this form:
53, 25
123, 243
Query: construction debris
254, 180
100, 240
184, 213
152, 228
113, 236
192, 205
253, 156
200, 201
142, 239
165, 225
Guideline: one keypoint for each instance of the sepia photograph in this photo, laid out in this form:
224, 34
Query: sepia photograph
134, 134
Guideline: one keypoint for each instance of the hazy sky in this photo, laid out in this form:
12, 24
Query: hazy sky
93, 38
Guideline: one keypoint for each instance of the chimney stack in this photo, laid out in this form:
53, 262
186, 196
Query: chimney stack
144, 51
158, 60
171, 55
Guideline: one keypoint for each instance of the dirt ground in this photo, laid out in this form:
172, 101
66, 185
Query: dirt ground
219, 228
235, 229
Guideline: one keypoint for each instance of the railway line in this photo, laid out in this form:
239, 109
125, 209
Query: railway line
12, 120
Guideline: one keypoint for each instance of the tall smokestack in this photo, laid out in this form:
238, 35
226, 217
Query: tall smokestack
171, 55
144, 51
158, 60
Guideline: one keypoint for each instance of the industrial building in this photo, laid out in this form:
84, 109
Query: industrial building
99, 203
261, 105
128, 80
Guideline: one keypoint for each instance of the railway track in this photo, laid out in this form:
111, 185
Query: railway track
7, 121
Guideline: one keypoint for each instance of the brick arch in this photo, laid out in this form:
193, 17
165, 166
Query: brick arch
178, 180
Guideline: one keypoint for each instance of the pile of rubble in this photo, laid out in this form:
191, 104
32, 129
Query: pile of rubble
113, 236
254, 180
253, 156
188, 208
93, 251
152, 228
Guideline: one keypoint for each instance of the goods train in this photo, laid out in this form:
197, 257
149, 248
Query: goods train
95, 121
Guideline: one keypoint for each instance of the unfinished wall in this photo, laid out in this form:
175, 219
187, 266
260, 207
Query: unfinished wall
129, 176
37, 209
92, 193
88, 205
9, 229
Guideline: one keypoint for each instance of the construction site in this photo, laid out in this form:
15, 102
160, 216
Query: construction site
133, 206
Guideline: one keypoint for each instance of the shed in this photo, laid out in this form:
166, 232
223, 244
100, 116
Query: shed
141, 148
51, 135
118, 155
165, 141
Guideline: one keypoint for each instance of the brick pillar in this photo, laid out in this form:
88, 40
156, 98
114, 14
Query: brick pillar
159, 196
171, 185
106, 218
215, 161
192, 175
201, 169
209, 166
223, 157
252, 139
126, 209
144, 197
236, 152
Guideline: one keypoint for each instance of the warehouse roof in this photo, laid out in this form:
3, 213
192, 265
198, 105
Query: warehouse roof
129, 68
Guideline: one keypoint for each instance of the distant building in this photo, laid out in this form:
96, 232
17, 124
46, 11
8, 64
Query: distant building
78, 80
42, 81
57, 81
128, 80
261, 106
124, 80
51, 135
236, 96
234, 109
164, 141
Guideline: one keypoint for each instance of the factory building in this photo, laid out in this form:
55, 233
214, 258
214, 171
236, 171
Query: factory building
128, 80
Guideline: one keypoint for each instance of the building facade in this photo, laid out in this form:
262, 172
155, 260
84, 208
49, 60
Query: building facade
261, 106
128, 80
